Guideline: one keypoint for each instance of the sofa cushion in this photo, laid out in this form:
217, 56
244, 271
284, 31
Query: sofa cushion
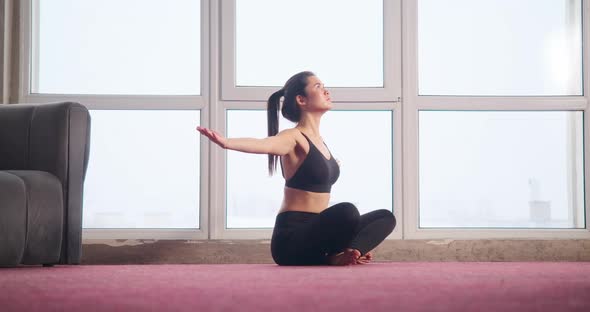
44, 227
13, 220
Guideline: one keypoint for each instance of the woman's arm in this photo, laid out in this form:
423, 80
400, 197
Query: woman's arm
280, 144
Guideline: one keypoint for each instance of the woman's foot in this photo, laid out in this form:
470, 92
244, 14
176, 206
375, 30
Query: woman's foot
365, 259
347, 257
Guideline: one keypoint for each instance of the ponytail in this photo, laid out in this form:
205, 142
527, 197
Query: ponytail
273, 105
291, 111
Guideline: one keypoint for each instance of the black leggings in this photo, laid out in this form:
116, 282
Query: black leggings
307, 238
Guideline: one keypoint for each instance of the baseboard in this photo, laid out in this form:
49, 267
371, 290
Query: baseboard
258, 251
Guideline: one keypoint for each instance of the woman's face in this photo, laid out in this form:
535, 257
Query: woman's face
318, 97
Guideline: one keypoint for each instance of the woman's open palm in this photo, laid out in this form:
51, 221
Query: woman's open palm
213, 136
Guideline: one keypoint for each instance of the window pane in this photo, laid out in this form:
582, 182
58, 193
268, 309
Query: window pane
119, 47
500, 47
366, 180
143, 170
320, 36
501, 169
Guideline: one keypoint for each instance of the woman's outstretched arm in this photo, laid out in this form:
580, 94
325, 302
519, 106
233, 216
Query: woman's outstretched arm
280, 144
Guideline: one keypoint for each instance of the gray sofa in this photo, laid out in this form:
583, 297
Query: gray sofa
43, 159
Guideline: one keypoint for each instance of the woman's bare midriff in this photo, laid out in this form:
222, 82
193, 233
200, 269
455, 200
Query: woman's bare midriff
298, 200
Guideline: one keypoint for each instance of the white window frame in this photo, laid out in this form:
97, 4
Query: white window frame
220, 94
391, 77
413, 103
254, 98
29, 49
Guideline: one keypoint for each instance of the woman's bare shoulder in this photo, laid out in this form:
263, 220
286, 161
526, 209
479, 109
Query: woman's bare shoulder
300, 141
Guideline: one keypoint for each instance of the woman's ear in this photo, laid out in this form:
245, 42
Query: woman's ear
300, 100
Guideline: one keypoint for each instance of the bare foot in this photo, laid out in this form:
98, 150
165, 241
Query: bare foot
347, 257
365, 259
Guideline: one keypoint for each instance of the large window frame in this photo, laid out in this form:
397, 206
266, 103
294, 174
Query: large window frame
29, 50
390, 91
219, 94
254, 98
414, 103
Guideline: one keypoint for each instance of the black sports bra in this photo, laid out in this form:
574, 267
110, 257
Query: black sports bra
316, 173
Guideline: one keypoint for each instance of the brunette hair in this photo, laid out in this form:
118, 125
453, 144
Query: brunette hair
293, 87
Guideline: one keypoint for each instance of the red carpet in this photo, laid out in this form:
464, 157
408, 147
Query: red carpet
397, 286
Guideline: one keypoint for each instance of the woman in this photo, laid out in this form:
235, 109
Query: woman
306, 232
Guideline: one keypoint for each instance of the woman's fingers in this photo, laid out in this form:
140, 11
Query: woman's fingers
206, 132
203, 131
212, 135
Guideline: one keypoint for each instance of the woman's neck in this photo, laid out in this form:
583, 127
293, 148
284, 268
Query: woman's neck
310, 124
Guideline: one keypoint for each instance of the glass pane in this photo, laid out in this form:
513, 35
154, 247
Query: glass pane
321, 36
143, 170
500, 47
501, 169
119, 47
254, 198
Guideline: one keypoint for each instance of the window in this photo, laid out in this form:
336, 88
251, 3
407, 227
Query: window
335, 32
354, 47
487, 141
501, 169
495, 119
137, 66
260, 51
366, 176
117, 47
500, 47
143, 170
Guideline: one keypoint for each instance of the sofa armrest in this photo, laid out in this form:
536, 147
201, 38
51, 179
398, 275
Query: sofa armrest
59, 143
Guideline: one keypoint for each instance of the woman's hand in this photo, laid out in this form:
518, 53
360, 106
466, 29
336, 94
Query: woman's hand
213, 136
